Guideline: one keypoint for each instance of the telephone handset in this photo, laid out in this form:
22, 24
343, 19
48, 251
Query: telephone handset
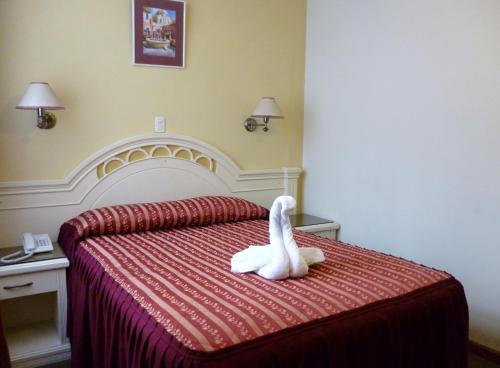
38, 243
32, 244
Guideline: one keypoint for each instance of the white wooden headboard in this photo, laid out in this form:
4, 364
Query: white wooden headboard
139, 169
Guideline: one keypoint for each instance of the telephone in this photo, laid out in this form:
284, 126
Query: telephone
32, 244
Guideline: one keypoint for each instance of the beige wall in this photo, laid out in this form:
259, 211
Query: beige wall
237, 51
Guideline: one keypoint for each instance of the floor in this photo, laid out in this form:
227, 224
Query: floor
474, 362
477, 362
65, 364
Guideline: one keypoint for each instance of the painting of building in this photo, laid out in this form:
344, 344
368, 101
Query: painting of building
159, 32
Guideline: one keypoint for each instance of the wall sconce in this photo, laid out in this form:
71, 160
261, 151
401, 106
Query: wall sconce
266, 109
40, 97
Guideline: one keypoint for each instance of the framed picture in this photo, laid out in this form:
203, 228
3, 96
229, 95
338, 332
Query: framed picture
159, 32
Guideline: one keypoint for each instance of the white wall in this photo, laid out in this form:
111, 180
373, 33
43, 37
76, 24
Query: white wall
402, 135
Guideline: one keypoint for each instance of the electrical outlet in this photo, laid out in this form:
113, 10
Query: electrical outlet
160, 124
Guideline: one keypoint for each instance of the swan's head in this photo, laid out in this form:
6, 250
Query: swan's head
288, 203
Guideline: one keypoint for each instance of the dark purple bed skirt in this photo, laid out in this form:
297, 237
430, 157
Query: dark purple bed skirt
4, 351
108, 328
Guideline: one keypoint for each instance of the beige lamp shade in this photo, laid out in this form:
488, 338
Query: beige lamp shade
267, 107
39, 95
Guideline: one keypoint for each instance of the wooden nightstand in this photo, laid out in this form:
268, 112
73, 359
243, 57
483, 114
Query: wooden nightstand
33, 303
315, 225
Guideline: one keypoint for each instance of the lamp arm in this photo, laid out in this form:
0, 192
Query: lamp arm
266, 121
40, 115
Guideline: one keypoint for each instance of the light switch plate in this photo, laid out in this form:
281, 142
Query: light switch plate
160, 124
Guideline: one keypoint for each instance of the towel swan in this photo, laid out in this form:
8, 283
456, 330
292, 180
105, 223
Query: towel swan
282, 258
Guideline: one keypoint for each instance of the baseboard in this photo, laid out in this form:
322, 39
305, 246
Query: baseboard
484, 352
54, 355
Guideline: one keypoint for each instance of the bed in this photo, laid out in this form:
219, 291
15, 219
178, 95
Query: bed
150, 286
149, 283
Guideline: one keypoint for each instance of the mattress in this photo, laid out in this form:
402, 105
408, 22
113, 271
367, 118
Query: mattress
150, 286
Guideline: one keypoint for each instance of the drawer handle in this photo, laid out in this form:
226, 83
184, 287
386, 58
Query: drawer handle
18, 286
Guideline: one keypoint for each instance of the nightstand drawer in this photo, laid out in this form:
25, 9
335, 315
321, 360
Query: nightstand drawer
28, 284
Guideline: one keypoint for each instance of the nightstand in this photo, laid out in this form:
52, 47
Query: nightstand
315, 225
33, 304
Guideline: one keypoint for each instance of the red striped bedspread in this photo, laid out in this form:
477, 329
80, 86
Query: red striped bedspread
182, 278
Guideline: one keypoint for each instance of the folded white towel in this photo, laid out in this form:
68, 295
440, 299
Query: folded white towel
282, 258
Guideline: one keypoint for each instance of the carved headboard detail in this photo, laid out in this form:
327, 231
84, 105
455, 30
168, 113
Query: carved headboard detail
159, 150
139, 169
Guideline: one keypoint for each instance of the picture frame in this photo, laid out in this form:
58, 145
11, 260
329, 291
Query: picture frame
159, 33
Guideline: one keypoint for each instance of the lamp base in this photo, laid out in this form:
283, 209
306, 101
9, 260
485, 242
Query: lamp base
46, 121
250, 124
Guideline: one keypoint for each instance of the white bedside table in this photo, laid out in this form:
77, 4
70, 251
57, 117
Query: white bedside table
33, 304
315, 225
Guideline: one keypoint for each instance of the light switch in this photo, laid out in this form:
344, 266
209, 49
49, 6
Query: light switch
160, 124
